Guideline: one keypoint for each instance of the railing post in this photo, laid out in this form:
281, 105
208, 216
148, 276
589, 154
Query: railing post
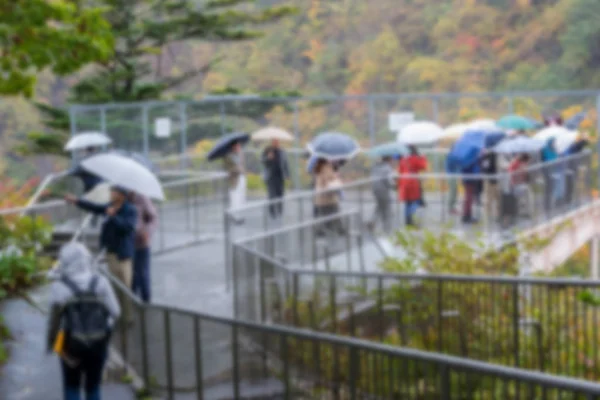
297, 167
440, 305
103, 120
145, 133
371, 121
222, 116
515, 322
227, 245
183, 127
169, 356
198, 354
445, 383
354, 372
235, 360
286, 366
295, 290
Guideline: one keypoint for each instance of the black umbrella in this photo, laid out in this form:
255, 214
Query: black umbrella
224, 145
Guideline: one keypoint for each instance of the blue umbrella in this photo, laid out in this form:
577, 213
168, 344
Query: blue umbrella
312, 163
391, 149
576, 120
333, 146
224, 145
468, 148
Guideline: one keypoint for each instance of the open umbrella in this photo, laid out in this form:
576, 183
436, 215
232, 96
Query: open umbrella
392, 149
519, 145
575, 120
272, 133
224, 145
454, 131
87, 139
552, 132
468, 148
311, 164
100, 194
126, 172
516, 122
333, 146
422, 132
483, 124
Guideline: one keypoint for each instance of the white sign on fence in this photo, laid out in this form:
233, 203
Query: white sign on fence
399, 120
162, 127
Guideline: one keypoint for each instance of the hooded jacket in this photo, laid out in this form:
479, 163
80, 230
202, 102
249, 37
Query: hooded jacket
75, 262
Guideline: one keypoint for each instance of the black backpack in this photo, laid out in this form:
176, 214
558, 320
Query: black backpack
85, 321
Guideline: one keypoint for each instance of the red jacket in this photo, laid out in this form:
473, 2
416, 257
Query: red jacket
409, 189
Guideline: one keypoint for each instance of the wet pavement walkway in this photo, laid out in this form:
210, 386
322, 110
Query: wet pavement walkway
31, 373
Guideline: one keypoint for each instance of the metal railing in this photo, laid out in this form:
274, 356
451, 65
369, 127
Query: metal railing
506, 203
181, 352
47, 181
191, 214
332, 284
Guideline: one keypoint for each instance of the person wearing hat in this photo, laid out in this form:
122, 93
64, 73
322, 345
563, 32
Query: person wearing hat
117, 235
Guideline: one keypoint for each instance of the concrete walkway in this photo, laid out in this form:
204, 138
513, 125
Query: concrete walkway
31, 373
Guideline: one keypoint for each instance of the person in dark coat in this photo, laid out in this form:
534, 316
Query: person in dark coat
89, 180
276, 167
117, 235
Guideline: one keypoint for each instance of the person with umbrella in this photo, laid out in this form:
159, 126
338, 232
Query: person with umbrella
409, 188
327, 197
117, 235
229, 148
89, 180
573, 164
146, 224
383, 183
276, 167
553, 179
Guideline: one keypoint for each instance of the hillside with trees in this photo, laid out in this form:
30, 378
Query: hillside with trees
345, 47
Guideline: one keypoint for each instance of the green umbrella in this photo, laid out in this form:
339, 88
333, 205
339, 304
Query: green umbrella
516, 122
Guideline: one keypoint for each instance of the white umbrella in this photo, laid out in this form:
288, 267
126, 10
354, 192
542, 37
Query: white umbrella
455, 131
563, 137
87, 139
125, 172
483, 124
519, 144
552, 132
420, 133
100, 194
272, 133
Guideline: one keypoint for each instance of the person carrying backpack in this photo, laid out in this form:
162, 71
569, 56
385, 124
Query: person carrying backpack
83, 311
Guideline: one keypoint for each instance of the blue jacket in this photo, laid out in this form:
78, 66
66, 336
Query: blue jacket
118, 231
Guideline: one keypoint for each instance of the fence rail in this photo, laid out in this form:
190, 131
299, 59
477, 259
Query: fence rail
334, 287
213, 357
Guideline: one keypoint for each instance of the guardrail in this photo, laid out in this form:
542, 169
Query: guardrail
334, 286
207, 356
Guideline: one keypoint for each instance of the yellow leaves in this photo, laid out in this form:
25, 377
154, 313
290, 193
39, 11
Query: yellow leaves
314, 51
202, 147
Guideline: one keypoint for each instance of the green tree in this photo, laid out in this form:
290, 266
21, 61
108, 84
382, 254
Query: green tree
39, 34
147, 34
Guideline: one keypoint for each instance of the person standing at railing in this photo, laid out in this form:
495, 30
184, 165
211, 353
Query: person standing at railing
489, 166
452, 168
276, 167
89, 180
117, 235
234, 164
146, 224
520, 183
572, 165
327, 198
553, 176
383, 184
409, 188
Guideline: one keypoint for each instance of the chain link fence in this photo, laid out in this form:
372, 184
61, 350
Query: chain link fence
132, 125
